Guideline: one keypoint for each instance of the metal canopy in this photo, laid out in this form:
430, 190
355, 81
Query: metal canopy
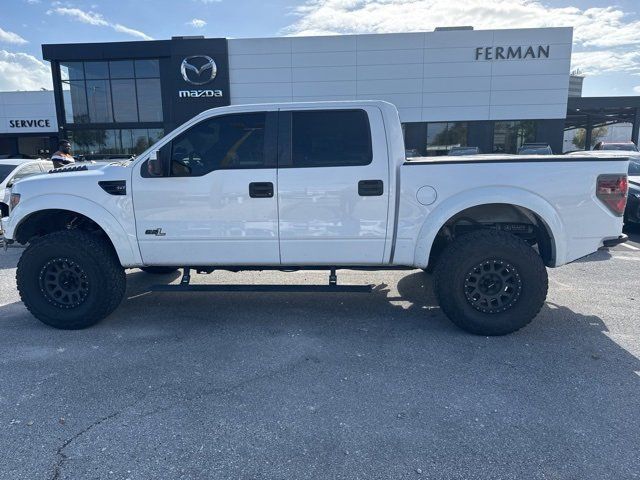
594, 112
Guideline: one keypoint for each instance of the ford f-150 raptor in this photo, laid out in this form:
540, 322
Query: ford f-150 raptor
322, 185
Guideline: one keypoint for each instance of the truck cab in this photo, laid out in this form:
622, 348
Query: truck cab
266, 187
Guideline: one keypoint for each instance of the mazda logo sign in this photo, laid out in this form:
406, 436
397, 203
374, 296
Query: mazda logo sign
198, 75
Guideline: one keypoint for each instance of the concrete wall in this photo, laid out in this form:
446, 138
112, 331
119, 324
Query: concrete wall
432, 76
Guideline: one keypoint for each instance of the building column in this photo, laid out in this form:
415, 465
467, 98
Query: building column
588, 134
636, 127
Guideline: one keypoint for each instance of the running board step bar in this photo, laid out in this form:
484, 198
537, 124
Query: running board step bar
264, 288
333, 287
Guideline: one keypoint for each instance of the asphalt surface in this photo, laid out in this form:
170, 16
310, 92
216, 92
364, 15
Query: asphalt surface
292, 386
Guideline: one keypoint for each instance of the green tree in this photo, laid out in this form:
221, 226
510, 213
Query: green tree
596, 134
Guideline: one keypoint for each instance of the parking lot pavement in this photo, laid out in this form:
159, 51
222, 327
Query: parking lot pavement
378, 385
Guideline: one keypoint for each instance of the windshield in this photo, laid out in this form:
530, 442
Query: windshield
5, 170
634, 168
627, 147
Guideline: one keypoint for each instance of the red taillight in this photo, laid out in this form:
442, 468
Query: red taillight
612, 191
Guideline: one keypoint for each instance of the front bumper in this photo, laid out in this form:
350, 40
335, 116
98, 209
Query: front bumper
4, 243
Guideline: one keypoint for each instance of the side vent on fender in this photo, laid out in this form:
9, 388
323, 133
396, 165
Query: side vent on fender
114, 187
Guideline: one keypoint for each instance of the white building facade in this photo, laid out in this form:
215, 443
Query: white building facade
494, 89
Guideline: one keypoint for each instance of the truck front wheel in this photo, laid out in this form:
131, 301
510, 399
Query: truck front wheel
70, 279
490, 283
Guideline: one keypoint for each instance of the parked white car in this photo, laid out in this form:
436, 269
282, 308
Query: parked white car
321, 185
12, 170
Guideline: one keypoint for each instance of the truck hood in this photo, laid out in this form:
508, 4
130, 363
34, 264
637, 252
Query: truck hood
71, 180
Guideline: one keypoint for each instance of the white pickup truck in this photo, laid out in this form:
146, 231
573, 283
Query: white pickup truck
312, 186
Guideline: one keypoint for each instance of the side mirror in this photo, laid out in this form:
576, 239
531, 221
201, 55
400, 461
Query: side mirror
10, 184
154, 164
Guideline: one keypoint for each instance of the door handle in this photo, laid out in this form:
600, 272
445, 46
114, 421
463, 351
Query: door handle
370, 188
261, 189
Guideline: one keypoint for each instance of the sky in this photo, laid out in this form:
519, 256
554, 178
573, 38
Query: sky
606, 35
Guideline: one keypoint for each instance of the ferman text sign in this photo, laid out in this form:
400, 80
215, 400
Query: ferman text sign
512, 53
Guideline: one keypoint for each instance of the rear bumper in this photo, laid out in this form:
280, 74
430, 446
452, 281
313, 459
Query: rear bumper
612, 242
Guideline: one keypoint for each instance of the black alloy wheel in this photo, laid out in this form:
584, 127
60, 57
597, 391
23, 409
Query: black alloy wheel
492, 286
64, 283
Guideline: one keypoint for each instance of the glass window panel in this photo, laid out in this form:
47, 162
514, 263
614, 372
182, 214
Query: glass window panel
96, 70
99, 101
147, 68
112, 142
436, 132
124, 100
121, 69
415, 139
509, 136
155, 134
71, 71
140, 141
227, 142
330, 138
149, 100
87, 141
126, 141
442, 136
75, 102
457, 134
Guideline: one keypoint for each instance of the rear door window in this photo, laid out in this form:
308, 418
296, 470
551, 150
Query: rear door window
330, 138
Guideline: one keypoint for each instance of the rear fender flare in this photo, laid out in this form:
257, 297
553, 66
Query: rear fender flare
444, 211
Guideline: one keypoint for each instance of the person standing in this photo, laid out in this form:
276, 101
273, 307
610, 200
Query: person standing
63, 156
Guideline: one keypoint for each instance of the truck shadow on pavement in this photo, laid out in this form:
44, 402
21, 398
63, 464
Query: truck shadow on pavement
256, 381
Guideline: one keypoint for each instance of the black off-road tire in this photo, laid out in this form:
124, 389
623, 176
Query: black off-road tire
159, 270
498, 262
96, 266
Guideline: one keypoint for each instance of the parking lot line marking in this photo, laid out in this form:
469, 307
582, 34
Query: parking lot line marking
560, 283
630, 247
626, 257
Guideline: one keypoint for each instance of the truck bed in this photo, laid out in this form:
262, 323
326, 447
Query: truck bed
561, 189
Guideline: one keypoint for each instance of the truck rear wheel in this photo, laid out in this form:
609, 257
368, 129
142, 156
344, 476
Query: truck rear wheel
70, 279
490, 283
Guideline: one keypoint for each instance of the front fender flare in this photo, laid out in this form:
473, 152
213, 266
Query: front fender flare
483, 196
125, 244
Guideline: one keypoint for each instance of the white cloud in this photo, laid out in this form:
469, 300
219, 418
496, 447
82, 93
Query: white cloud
21, 71
604, 31
606, 61
90, 18
130, 31
10, 37
206, 2
197, 23
33, 2
93, 18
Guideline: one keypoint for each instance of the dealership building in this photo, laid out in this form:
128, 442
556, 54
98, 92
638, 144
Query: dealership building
494, 89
